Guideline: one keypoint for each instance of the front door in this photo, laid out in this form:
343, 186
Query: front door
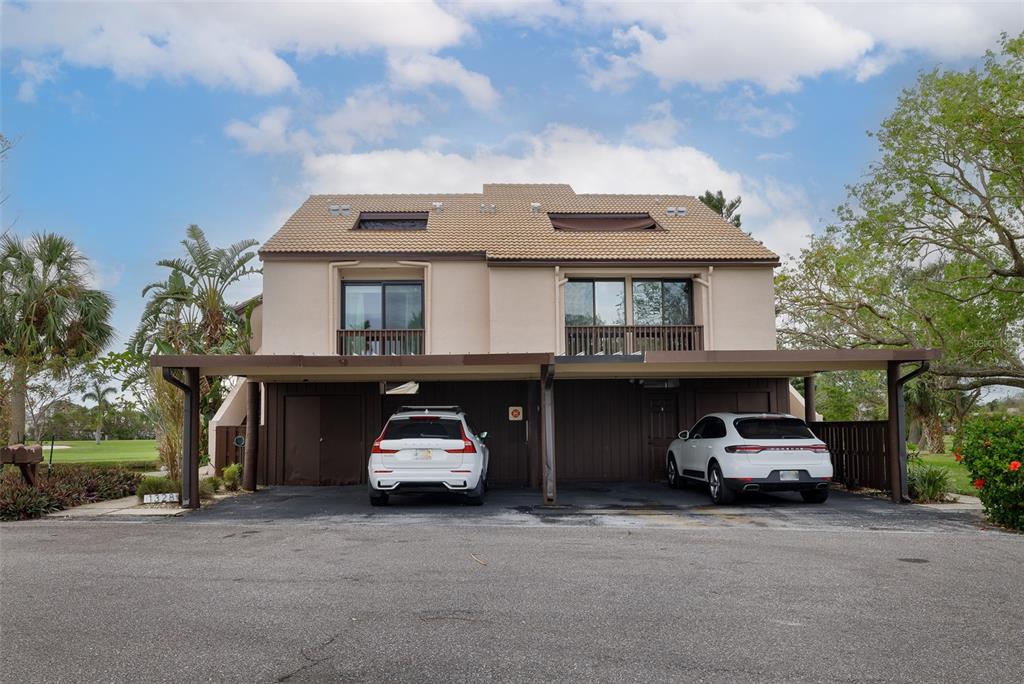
343, 456
324, 440
661, 425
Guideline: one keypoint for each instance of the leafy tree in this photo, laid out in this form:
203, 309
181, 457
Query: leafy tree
928, 251
187, 314
99, 393
50, 320
725, 208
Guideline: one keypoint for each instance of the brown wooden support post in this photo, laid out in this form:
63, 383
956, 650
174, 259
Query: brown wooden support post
547, 417
190, 442
252, 436
809, 408
895, 435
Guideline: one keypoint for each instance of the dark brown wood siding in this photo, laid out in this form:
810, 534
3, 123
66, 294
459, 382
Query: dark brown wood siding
486, 405
617, 429
604, 429
351, 429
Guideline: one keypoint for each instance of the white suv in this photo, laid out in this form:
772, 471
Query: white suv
428, 448
750, 452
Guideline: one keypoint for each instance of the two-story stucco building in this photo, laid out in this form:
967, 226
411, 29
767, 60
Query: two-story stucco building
581, 331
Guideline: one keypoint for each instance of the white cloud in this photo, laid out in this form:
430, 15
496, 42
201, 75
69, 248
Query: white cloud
368, 115
33, 74
417, 71
756, 119
235, 45
776, 46
659, 128
269, 134
775, 213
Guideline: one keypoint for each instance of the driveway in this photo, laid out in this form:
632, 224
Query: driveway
598, 504
631, 584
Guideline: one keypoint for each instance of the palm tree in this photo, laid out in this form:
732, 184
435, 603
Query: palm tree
99, 394
49, 318
187, 312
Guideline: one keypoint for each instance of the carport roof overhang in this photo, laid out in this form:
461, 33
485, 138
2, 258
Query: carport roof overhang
693, 364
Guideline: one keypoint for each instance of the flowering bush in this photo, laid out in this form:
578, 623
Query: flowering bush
992, 448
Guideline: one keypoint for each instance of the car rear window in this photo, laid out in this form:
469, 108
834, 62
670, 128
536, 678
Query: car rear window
423, 427
772, 428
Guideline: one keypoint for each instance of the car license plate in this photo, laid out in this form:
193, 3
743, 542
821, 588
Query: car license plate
789, 474
423, 455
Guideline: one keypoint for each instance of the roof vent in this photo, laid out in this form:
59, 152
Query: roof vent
670, 211
488, 208
334, 210
438, 206
346, 209
535, 207
681, 211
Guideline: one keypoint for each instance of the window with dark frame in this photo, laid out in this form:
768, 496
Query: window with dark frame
389, 305
392, 220
662, 301
602, 223
595, 302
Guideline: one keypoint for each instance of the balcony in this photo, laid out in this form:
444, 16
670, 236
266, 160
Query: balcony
631, 339
380, 342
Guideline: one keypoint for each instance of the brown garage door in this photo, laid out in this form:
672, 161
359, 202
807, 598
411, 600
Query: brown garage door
323, 438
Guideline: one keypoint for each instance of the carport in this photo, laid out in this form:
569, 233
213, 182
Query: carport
571, 416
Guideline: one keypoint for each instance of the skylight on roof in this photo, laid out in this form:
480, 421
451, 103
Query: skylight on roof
392, 220
602, 222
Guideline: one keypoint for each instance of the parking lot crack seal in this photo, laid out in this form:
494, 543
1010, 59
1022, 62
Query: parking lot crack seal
313, 661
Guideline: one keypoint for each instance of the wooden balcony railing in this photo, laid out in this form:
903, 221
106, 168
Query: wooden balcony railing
632, 339
380, 342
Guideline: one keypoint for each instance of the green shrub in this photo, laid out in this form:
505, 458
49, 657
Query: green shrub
62, 486
233, 477
992, 448
928, 483
158, 485
216, 483
206, 489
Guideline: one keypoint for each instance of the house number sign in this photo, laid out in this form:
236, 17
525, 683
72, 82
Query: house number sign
515, 412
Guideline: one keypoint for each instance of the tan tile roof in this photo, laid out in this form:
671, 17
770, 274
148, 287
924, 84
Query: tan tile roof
515, 232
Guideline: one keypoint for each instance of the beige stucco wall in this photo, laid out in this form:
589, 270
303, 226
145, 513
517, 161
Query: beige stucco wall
296, 307
459, 318
522, 309
742, 308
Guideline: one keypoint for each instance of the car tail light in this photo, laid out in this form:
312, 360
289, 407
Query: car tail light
462, 471
819, 448
375, 449
467, 443
382, 471
744, 449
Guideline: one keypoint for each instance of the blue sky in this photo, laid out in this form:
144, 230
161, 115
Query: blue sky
134, 120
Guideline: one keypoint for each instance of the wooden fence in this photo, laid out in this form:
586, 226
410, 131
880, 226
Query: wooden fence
860, 452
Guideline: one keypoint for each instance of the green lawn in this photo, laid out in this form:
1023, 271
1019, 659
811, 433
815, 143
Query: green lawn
133, 453
961, 482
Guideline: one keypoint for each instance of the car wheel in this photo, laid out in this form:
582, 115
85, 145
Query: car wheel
378, 498
675, 480
720, 493
815, 495
476, 496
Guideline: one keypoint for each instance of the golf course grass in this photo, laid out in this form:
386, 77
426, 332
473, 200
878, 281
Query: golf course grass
131, 453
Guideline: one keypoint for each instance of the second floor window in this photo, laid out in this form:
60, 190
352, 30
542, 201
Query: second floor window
662, 302
595, 302
382, 306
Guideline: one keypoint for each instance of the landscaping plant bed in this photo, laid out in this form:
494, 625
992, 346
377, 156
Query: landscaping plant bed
60, 487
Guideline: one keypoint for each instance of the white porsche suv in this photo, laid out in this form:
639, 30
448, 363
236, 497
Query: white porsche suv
428, 449
750, 452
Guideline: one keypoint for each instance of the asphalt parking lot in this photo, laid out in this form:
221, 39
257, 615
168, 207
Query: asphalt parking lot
632, 583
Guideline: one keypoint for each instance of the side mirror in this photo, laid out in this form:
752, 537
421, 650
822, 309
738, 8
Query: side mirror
483, 435
685, 434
